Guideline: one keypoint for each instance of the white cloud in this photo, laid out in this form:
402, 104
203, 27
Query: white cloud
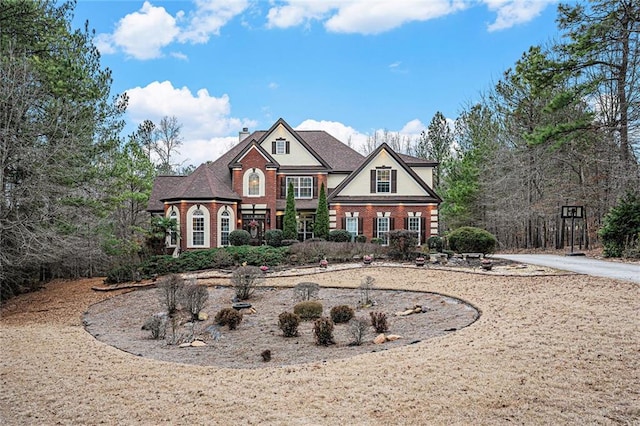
206, 120
144, 33
514, 12
413, 127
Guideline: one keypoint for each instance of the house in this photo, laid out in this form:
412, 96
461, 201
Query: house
246, 189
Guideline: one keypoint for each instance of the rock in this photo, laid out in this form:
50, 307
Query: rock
184, 345
198, 344
407, 312
392, 337
203, 316
380, 339
417, 310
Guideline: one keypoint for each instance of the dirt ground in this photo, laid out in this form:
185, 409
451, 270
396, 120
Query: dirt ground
546, 349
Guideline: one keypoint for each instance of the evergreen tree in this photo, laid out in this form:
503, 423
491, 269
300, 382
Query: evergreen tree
290, 225
321, 226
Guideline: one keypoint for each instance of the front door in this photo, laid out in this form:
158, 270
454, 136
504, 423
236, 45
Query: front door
254, 225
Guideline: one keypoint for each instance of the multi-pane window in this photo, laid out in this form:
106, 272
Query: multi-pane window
383, 180
383, 230
254, 184
197, 228
352, 226
173, 233
281, 146
302, 186
224, 228
414, 225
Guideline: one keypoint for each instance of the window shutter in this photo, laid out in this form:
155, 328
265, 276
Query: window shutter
394, 183
375, 227
283, 187
287, 146
406, 223
273, 147
373, 182
343, 223
423, 229
360, 225
315, 187
391, 224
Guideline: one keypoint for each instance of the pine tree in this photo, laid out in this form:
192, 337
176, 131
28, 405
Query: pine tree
290, 225
321, 226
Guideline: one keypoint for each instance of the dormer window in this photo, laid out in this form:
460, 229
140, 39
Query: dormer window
280, 146
384, 180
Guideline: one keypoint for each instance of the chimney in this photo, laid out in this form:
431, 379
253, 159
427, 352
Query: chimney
243, 134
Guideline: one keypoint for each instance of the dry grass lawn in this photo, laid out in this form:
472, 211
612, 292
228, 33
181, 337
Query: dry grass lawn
546, 350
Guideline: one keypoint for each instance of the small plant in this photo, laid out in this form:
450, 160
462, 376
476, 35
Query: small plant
379, 322
324, 263
341, 314
229, 317
264, 268
245, 279
266, 355
157, 325
169, 289
193, 298
306, 291
358, 330
288, 323
239, 237
361, 238
366, 259
308, 310
366, 286
323, 331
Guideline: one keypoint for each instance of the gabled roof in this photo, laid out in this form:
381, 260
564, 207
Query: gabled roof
417, 162
253, 144
335, 195
202, 184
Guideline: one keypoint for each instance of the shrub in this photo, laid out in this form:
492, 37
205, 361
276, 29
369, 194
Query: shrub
358, 329
379, 322
229, 317
169, 289
193, 298
306, 291
308, 310
621, 226
376, 241
266, 355
245, 279
157, 325
402, 243
323, 331
468, 239
339, 236
120, 274
288, 323
239, 237
288, 242
341, 314
273, 237
361, 239
435, 243
221, 258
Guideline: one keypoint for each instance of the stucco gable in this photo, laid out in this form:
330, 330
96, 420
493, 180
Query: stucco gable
298, 151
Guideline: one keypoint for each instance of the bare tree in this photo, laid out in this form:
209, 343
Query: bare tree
168, 142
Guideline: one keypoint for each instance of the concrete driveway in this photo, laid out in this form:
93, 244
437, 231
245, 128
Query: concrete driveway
580, 264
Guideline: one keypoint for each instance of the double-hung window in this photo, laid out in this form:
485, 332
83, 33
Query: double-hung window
413, 224
281, 146
197, 228
351, 224
383, 230
224, 228
302, 186
383, 180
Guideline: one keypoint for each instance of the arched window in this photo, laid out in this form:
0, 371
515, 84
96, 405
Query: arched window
172, 238
225, 225
254, 184
198, 227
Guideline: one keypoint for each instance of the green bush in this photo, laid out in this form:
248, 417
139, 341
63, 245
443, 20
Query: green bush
341, 314
402, 243
288, 323
229, 317
621, 228
435, 243
379, 322
273, 237
308, 309
323, 331
472, 240
361, 238
239, 237
339, 236
288, 242
377, 241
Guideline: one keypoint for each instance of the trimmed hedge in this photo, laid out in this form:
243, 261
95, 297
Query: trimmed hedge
472, 240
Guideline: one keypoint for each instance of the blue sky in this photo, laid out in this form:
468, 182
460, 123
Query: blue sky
349, 67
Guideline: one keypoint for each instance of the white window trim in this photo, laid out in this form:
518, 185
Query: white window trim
378, 181
173, 214
232, 222
296, 186
417, 219
245, 183
379, 234
281, 146
352, 220
207, 224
